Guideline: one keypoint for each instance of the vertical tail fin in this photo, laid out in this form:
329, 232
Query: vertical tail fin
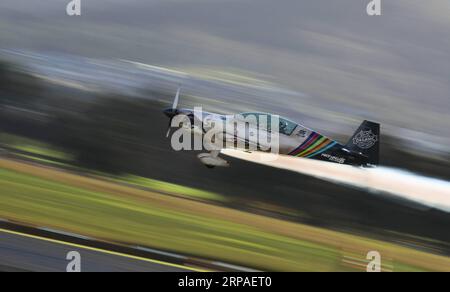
366, 140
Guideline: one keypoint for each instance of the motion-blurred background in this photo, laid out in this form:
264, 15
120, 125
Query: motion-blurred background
85, 94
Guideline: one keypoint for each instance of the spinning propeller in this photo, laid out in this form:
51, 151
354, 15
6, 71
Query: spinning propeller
172, 112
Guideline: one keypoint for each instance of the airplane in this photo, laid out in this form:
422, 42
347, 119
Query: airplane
362, 149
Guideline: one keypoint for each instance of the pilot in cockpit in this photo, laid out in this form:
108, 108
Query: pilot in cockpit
283, 126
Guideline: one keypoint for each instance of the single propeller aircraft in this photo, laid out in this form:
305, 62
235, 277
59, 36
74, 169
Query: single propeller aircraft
294, 139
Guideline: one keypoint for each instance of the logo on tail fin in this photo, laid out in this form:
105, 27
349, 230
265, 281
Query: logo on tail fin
365, 139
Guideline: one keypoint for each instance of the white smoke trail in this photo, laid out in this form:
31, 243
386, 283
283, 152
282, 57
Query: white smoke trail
427, 191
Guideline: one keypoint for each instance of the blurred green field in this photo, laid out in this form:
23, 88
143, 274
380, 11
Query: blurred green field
33, 147
170, 188
44, 197
34, 150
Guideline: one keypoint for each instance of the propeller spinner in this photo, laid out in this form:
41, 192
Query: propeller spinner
172, 112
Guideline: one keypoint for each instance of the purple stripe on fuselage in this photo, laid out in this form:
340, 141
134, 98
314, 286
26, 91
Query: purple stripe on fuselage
305, 144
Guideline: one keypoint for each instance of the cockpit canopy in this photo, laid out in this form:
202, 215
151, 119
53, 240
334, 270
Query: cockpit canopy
264, 121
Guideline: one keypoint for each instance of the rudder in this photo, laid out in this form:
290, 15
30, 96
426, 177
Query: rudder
366, 140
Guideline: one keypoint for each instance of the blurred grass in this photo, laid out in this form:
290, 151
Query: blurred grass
32, 146
45, 197
171, 188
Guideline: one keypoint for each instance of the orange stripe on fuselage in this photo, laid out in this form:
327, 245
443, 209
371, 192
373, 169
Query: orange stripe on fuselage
317, 148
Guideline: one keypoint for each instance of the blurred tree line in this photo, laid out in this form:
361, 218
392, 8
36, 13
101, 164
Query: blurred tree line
18, 87
106, 132
111, 134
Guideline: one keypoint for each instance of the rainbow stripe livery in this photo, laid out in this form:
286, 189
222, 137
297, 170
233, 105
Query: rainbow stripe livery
314, 145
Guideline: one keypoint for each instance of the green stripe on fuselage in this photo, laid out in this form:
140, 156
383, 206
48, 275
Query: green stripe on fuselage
318, 142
